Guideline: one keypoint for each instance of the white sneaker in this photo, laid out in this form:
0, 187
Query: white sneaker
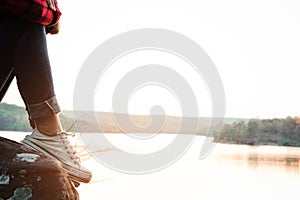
59, 147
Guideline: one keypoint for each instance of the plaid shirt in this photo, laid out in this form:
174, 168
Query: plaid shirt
43, 12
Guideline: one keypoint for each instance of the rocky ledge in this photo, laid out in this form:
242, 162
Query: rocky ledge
28, 174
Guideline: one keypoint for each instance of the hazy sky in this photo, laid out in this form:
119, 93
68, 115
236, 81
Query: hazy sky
255, 45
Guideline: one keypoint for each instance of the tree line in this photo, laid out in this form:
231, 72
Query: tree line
15, 118
284, 132
252, 132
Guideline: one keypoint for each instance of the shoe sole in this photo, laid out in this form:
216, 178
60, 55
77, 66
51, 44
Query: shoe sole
70, 170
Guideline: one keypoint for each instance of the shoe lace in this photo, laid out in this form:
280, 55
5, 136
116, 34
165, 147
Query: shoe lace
69, 147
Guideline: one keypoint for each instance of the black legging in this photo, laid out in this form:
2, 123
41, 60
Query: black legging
23, 53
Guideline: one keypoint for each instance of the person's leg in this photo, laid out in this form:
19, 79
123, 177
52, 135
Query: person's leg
33, 72
34, 78
7, 44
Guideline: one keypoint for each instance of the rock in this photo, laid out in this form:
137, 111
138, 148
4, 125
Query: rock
28, 174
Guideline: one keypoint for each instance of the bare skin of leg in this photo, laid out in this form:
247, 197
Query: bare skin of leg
49, 125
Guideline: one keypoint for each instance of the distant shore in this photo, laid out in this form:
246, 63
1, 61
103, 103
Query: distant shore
277, 132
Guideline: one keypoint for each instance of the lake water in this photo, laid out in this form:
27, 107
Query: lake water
230, 172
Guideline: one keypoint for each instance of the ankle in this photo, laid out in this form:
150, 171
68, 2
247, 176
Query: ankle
49, 125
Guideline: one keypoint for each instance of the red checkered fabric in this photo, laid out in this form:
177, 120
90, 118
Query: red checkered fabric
43, 12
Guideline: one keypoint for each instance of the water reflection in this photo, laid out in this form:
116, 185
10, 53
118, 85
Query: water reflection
258, 157
289, 163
